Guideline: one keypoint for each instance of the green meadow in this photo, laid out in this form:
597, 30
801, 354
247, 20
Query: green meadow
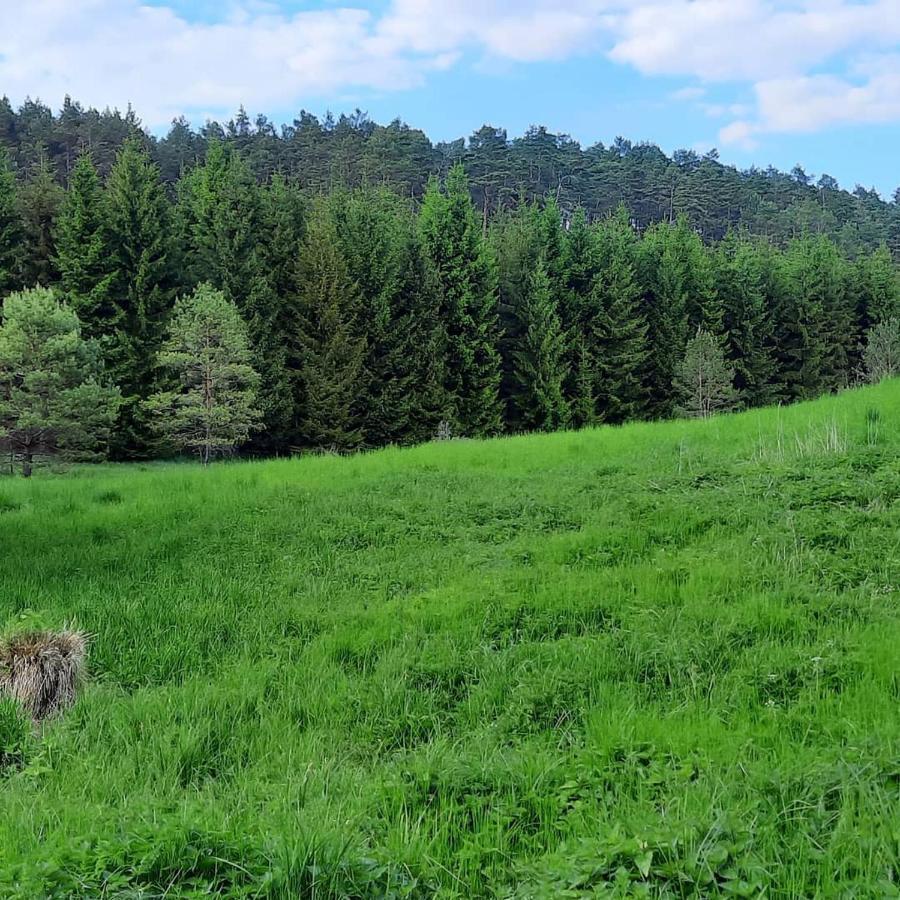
658, 660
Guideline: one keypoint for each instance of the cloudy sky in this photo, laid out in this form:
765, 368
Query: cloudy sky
780, 81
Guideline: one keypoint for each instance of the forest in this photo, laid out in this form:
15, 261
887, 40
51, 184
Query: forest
389, 290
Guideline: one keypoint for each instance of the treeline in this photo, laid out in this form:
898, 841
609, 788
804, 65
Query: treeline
352, 151
374, 319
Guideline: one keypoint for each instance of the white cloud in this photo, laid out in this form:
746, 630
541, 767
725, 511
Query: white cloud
120, 51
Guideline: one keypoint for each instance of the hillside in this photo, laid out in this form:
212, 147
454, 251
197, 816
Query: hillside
658, 658
352, 150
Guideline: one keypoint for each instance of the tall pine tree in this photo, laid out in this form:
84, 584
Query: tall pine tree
10, 229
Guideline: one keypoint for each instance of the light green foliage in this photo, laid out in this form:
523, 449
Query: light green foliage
653, 660
881, 356
52, 400
213, 410
704, 381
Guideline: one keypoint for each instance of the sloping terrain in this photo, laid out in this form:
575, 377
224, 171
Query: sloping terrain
655, 660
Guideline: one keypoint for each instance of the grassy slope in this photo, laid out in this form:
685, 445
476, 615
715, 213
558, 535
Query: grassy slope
663, 656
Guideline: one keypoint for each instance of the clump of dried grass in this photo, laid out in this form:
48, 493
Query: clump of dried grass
42, 670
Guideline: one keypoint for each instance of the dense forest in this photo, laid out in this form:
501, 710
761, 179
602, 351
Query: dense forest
392, 289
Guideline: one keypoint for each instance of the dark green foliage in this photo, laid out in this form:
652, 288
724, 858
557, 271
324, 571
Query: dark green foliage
539, 361
137, 217
619, 329
10, 229
741, 285
83, 255
40, 198
466, 281
330, 352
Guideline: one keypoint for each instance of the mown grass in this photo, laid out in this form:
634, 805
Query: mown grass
659, 660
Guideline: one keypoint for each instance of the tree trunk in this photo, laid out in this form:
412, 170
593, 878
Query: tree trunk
26, 464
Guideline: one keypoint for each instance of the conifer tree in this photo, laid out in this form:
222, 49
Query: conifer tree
877, 288
881, 356
52, 396
138, 223
540, 358
223, 217
403, 382
466, 280
331, 353
40, 198
740, 283
212, 410
622, 348
704, 382
10, 228
83, 254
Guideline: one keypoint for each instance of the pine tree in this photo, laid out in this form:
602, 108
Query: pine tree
10, 229
213, 408
40, 199
52, 396
704, 382
83, 254
540, 358
877, 288
137, 219
466, 280
622, 348
882, 351
331, 353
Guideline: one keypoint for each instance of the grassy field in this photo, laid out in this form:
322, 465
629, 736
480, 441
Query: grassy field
660, 660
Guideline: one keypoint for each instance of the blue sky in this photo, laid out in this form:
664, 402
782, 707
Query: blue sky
815, 82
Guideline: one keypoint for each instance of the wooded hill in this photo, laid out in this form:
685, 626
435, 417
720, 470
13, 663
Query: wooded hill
352, 150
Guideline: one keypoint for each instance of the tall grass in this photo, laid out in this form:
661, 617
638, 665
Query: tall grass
653, 660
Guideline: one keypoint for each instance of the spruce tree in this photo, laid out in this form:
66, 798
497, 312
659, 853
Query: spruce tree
740, 282
403, 383
620, 339
222, 219
540, 358
83, 254
331, 353
40, 198
137, 219
466, 280
10, 229
799, 331
877, 288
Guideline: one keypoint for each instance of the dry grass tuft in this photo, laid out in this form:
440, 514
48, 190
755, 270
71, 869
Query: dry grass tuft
42, 670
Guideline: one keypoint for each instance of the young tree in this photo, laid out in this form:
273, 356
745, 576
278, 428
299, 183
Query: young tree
881, 356
10, 228
704, 382
213, 408
52, 398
